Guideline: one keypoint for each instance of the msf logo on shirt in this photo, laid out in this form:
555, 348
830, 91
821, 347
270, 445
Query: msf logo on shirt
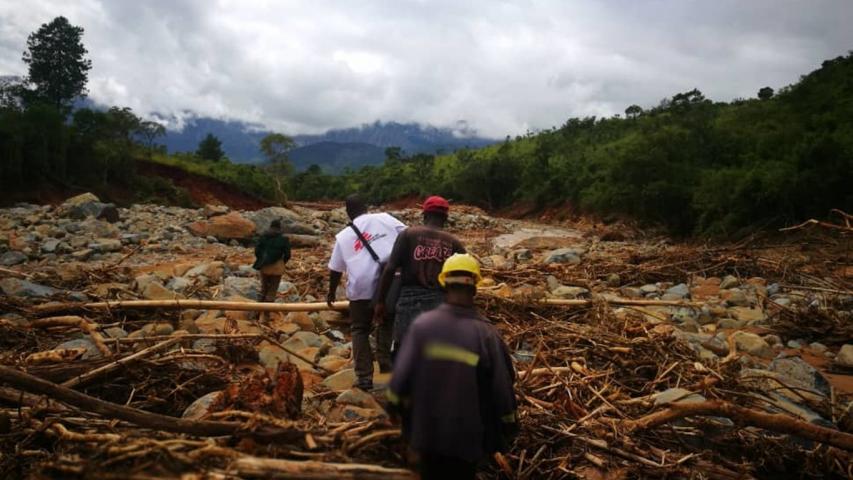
359, 246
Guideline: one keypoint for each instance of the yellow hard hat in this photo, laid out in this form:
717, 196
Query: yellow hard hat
460, 262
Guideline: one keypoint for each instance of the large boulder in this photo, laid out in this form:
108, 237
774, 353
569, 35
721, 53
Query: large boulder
88, 205
244, 287
794, 367
231, 226
290, 220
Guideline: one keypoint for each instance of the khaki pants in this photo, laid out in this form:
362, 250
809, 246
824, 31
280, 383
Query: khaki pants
361, 313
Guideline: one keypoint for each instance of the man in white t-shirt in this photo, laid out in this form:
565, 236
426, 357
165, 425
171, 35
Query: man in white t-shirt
360, 250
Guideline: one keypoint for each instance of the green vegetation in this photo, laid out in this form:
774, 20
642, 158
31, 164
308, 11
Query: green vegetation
249, 179
210, 149
690, 164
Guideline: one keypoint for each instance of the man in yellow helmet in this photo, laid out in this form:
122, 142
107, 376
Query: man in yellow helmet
453, 380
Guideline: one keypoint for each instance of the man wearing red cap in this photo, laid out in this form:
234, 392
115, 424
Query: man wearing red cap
419, 253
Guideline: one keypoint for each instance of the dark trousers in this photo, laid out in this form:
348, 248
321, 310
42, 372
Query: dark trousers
412, 302
441, 467
361, 314
269, 287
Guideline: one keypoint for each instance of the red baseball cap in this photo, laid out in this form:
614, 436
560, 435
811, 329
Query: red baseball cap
436, 204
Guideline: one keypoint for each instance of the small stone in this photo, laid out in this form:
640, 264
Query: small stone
794, 344
773, 339
844, 358
729, 281
752, 344
115, 332
564, 255
631, 292
748, 315
156, 291
333, 363
311, 339
351, 413
613, 280
12, 258
105, 245
358, 398
302, 319
677, 292
735, 298
15, 287
340, 381
649, 288
730, 323
569, 292
818, 347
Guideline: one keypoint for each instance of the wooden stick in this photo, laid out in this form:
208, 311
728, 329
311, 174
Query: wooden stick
745, 416
278, 468
92, 374
178, 304
28, 383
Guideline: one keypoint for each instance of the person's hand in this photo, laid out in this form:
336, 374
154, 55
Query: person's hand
330, 299
379, 313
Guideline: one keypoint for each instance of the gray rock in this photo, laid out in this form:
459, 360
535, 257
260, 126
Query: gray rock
677, 292
785, 404
98, 210
205, 345
844, 358
818, 347
773, 289
649, 288
523, 356
522, 254
9, 259
773, 339
359, 398
795, 344
779, 384
104, 245
244, 287
310, 339
752, 344
115, 332
50, 246
794, 367
91, 349
630, 292
337, 335
685, 314
552, 283
291, 223
178, 284
737, 298
15, 287
564, 255
569, 292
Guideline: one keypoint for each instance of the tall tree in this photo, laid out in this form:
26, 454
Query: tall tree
633, 111
275, 147
149, 131
765, 93
210, 149
58, 67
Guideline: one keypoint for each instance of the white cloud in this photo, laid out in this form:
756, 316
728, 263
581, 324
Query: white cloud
503, 67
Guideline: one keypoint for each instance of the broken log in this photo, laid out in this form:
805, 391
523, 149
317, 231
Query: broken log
30, 384
746, 417
277, 468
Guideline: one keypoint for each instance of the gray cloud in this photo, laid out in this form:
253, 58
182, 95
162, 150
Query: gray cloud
504, 67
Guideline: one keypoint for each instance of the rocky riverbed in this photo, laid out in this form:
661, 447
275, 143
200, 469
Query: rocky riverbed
85, 250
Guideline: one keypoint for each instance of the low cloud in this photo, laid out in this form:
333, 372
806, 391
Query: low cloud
503, 67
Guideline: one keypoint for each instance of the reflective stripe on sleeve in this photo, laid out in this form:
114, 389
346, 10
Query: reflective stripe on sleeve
446, 351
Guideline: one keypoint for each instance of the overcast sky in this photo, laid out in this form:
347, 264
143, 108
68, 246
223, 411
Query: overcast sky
504, 67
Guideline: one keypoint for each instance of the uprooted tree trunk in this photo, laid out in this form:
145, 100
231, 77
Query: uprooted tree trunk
745, 416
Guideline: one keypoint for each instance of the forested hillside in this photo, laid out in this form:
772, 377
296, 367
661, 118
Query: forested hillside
691, 164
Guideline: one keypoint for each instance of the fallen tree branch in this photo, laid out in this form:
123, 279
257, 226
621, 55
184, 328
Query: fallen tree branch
277, 468
89, 376
28, 383
745, 416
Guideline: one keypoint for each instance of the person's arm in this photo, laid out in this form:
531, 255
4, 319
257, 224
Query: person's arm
394, 262
286, 255
336, 268
334, 281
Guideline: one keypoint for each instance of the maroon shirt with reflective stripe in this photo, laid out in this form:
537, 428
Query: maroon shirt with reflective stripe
454, 377
420, 252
